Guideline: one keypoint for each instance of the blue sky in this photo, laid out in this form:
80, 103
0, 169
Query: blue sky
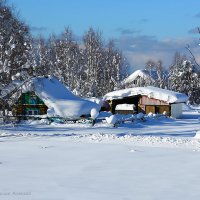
142, 29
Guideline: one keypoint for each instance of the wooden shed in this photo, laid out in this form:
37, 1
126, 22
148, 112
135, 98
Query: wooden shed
148, 99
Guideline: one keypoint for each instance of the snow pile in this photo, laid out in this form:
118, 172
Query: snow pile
125, 107
197, 136
50, 112
185, 107
94, 113
111, 120
194, 107
150, 114
152, 92
155, 141
104, 114
120, 118
165, 113
96, 100
59, 100
34, 123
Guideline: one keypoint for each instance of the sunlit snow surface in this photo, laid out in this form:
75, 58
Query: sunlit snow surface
156, 159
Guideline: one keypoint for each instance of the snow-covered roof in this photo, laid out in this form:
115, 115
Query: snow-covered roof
59, 100
152, 92
145, 74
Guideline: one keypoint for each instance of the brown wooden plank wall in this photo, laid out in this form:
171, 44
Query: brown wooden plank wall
20, 109
145, 100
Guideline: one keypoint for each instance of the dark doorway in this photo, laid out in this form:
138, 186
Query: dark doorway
126, 100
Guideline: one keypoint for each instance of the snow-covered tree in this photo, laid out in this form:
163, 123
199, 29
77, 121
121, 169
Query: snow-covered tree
184, 79
93, 56
158, 76
162, 74
103, 64
65, 58
71, 58
40, 54
52, 54
15, 56
115, 67
178, 58
14, 46
195, 96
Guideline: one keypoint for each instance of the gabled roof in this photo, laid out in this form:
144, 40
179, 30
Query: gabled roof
145, 74
152, 92
60, 101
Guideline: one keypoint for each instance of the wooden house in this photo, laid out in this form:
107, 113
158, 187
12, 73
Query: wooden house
30, 104
47, 95
146, 100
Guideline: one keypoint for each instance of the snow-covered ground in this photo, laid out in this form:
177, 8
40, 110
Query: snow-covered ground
156, 159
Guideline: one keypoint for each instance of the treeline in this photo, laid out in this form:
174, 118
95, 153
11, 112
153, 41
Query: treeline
90, 67
182, 76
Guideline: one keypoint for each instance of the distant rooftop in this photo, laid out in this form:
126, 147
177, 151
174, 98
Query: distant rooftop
145, 74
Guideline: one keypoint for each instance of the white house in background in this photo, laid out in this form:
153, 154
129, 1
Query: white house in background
140, 77
146, 100
47, 95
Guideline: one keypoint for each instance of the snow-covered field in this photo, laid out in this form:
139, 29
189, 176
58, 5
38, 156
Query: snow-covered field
156, 159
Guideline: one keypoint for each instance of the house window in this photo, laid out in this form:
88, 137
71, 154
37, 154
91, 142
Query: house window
135, 82
32, 112
35, 112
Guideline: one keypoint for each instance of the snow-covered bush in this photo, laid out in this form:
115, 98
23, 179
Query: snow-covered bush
50, 112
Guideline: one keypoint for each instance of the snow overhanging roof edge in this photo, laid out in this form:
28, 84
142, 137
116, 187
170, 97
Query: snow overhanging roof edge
152, 92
